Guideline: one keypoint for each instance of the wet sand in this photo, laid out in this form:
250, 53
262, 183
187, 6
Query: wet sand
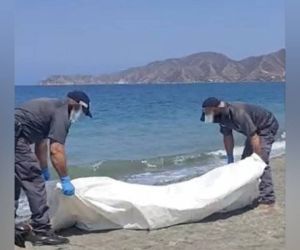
251, 229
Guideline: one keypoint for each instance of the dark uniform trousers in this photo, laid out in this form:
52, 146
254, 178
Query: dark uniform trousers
267, 138
28, 177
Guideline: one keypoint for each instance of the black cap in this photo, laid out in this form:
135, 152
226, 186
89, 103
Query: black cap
81, 98
211, 102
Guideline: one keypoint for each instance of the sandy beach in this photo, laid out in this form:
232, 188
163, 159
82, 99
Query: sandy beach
245, 230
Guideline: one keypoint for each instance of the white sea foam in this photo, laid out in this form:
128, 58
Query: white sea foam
148, 165
97, 165
218, 158
278, 148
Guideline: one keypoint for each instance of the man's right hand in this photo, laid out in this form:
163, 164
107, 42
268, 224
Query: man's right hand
46, 174
229, 145
230, 158
67, 187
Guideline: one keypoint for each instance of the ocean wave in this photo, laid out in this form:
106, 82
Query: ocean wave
278, 148
121, 169
155, 171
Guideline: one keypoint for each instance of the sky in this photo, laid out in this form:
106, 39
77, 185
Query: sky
105, 36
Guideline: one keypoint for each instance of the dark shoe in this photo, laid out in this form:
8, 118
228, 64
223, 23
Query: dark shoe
22, 231
266, 202
48, 238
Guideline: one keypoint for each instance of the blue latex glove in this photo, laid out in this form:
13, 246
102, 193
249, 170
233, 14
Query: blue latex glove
46, 174
230, 158
67, 187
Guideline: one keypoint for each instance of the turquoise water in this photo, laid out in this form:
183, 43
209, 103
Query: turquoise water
152, 133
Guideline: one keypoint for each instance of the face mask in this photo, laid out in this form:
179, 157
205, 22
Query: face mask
75, 115
209, 118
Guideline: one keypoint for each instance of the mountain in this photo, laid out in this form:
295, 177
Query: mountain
199, 67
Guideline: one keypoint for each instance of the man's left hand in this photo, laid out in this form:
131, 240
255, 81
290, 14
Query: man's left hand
67, 186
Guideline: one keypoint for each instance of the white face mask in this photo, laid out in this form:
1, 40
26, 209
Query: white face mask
209, 118
75, 115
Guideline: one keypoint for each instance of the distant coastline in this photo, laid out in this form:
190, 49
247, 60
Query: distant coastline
158, 83
203, 67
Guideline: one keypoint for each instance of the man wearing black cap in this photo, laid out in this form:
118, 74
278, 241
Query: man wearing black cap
36, 122
256, 123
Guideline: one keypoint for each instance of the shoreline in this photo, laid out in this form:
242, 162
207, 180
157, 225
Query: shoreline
248, 230
156, 83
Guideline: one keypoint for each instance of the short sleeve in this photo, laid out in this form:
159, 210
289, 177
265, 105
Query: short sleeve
59, 126
246, 124
224, 130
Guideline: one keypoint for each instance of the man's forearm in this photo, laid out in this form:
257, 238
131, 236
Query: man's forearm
58, 158
41, 152
228, 144
255, 143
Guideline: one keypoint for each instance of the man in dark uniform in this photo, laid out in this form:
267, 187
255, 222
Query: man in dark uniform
256, 123
36, 122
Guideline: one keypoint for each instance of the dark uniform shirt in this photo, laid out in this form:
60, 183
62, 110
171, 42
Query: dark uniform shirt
247, 119
44, 118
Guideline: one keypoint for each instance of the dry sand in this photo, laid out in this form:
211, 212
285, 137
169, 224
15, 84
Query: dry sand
248, 230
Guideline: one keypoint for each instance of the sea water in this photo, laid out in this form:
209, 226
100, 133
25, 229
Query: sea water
152, 134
